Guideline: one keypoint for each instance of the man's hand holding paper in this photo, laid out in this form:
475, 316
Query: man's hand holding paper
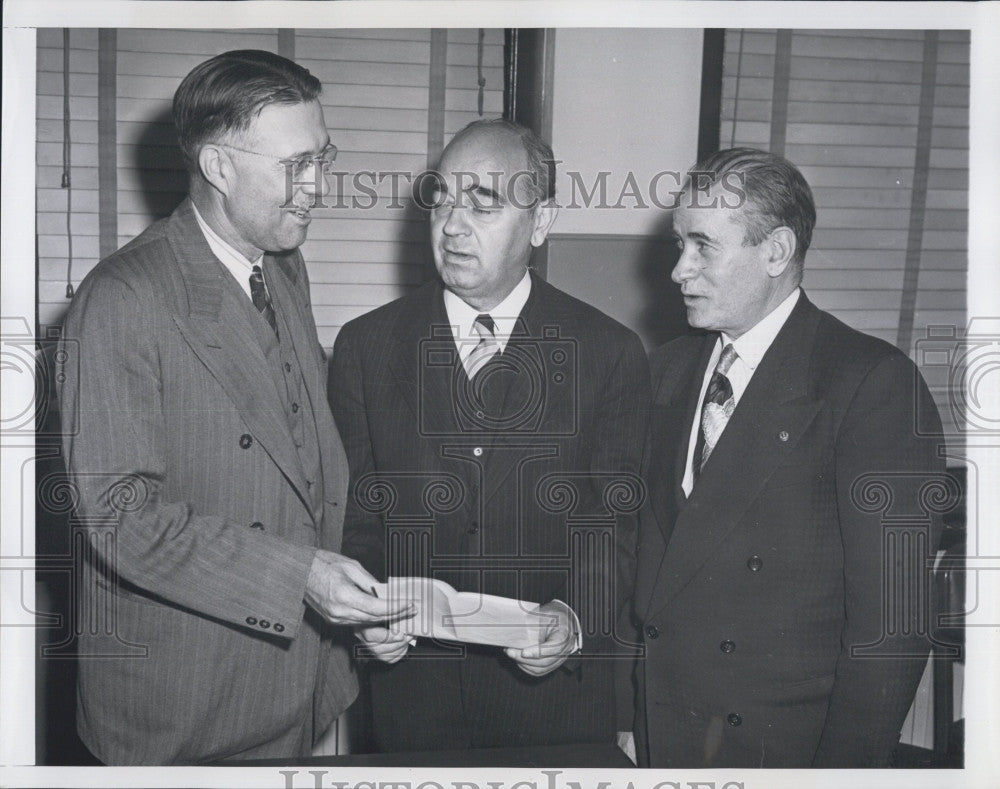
386, 645
561, 641
537, 637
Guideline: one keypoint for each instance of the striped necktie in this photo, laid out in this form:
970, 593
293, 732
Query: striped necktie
485, 349
261, 300
716, 409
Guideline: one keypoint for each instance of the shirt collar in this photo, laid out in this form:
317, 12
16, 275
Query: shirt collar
238, 265
752, 345
462, 316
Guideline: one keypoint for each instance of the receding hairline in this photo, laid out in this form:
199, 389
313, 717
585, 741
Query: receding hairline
508, 136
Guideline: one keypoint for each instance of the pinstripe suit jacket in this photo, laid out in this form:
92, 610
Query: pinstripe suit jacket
190, 486
517, 488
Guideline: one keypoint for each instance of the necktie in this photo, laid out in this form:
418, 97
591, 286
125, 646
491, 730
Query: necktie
485, 349
715, 410
258, 293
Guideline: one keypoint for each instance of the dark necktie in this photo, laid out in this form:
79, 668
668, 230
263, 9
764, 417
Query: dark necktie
258, 293
485, 349
716, 409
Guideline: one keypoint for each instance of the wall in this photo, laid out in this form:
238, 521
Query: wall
625, 104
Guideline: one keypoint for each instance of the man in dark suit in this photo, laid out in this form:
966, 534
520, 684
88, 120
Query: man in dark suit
493, 426
766, 544
206, 464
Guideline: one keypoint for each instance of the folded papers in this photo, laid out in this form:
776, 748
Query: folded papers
470, 617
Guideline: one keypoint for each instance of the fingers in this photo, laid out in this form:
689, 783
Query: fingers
559, 641
555, 648
355, 572
547, 656
536, 667
343, 592
351, 605
383, 644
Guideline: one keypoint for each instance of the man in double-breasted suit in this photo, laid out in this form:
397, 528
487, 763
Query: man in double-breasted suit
494, 425
778, 438
208, 471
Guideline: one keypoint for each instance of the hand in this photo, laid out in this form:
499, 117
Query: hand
386, 645
338, 588
557, 645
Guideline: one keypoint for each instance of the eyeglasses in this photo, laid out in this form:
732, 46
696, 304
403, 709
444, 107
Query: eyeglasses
300, 164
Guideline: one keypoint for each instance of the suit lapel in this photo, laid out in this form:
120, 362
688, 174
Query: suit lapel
775, 411
421, 362
282, 283
282, 273
674, 411
222, 336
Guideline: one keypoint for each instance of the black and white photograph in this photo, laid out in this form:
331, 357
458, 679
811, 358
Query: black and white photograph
500, 394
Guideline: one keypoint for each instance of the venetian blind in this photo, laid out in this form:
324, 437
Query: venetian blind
877, 120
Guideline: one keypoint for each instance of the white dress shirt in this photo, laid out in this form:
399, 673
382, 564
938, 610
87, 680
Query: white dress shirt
462, 317
236, 264
750, 348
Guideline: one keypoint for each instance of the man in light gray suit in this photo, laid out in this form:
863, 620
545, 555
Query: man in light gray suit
207, 467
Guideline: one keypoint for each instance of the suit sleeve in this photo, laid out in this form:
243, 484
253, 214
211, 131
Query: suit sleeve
114, 441
872, 691
364, 536
619, 433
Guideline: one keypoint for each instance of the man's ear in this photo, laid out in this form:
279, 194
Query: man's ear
780, 246
544, 215
216, 167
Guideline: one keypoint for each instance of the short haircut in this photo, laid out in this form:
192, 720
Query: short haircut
541, 161
777, 194
224, 95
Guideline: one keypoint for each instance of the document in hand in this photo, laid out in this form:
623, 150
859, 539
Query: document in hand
471, 617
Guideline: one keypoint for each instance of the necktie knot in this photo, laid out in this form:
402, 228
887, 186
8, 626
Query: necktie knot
726, 360
260, 299
717, 408
485, 349
485, 326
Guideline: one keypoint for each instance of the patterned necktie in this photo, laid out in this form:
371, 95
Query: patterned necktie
715, 410
258, 293
485, 349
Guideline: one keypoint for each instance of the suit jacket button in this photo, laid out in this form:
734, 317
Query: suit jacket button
734, 719
257, 525
652, 631
728, 646
295, 408
755, 563
265, 624
251, 620
288, 367
246, 440
279, 628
